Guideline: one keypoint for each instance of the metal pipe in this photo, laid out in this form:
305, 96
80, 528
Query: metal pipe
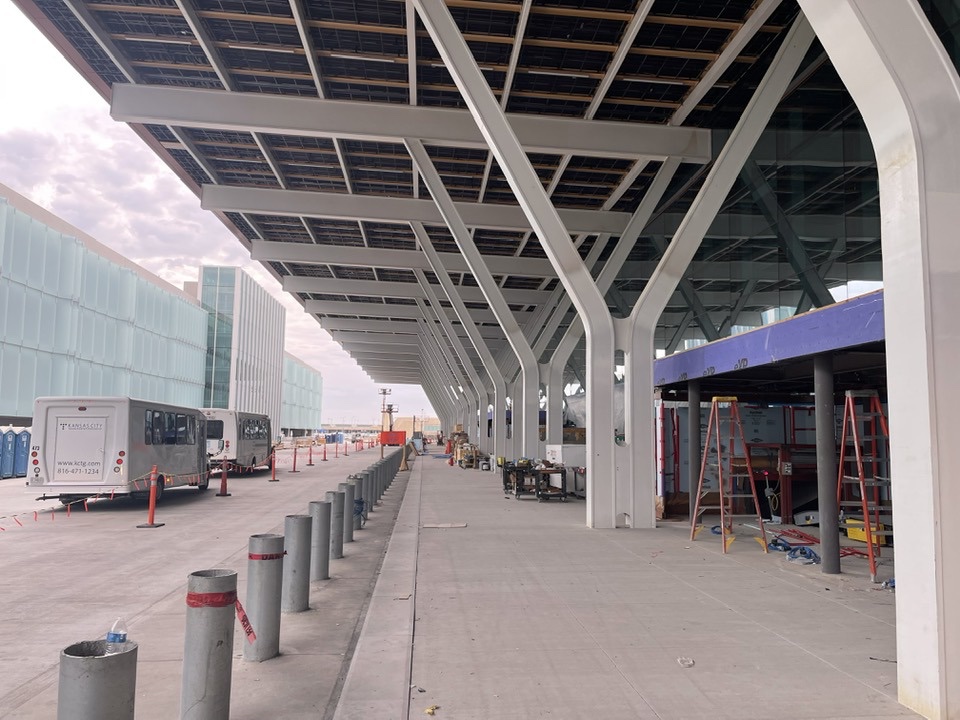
208, 645
320, 540
295, 594
264, 587
349, 491
826, 464
335, 499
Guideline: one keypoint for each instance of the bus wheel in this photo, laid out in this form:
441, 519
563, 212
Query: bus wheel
205, 483
160, 487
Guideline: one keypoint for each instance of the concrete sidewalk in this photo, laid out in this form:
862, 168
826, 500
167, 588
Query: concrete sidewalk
525, 613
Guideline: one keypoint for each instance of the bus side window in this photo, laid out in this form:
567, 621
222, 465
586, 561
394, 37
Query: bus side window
148, 427
169, 429
191, 430
181, 429
157, 427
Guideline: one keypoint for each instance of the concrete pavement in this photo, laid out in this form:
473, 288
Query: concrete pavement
525, 613
66, 578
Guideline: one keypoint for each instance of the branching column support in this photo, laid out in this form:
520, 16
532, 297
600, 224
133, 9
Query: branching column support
906, 86
637, 332
444, 377
466, 396
489, 364
555, 239
528, 433
478, 433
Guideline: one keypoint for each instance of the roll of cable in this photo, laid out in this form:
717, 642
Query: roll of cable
804, 556
780, 545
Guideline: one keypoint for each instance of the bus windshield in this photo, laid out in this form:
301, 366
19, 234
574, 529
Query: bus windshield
214, 429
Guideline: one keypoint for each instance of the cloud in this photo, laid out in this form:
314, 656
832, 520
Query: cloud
100, 177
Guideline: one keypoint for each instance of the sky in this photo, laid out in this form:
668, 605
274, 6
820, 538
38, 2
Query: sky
60, 149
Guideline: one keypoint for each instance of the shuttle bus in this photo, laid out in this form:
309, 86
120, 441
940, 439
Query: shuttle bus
241, 439
106, 446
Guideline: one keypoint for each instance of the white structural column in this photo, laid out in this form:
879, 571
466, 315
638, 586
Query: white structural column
477, 432
555, 239
636, 333
466, 386
447, 376
908, 91
570, 339
528, 433
479, 344
442, 381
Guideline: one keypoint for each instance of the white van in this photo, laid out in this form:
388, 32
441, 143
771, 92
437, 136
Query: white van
106, 446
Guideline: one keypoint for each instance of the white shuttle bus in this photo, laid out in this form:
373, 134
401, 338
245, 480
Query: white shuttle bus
241, 439
106, 446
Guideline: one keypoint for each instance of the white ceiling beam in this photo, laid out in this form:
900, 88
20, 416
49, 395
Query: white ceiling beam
538, 268
374, 288
382, 310
304, 203
398, 327
494, 216
312, 117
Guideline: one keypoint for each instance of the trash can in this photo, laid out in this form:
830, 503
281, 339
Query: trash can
94, 685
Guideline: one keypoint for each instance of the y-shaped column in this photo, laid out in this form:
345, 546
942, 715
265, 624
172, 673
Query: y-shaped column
529, 438
489, 364
479, 435
908, 91
555, 240
636, 333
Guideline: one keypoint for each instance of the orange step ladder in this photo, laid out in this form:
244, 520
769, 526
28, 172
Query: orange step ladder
734, 475
863, 482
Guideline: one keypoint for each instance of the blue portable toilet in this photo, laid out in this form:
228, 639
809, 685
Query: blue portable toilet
21, 456
7, 452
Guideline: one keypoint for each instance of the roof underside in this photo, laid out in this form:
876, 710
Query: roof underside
687, 65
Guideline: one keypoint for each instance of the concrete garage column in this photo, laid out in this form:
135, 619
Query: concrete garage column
908, 91
826, 464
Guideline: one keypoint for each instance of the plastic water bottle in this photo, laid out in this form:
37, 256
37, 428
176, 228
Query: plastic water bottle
117, 637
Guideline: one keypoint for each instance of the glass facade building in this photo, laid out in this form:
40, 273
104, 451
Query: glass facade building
245, 335
76, 318
302, 397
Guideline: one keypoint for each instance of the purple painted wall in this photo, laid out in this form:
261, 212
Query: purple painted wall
835, 327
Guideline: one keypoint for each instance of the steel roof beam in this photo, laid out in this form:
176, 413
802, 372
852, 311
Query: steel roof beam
382, 310
383, 122
306, 203
531, 267
394, 326
373, 288
496, 216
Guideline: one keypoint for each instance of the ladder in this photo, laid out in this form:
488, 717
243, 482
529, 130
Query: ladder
734, 474
863, 482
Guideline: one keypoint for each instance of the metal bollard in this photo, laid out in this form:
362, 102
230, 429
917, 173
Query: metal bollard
366, 478
295, 595
94, 685
359, 499
208, 645
349, 491
320, 540
367, 493
336, 524
264, 585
